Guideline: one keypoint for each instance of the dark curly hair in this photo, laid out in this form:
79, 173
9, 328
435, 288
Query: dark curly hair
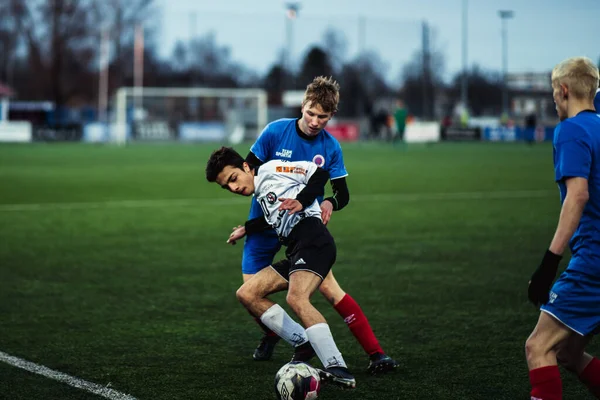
221, 158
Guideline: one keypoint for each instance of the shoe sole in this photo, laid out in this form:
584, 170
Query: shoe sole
261, 358
341, 382
382, 368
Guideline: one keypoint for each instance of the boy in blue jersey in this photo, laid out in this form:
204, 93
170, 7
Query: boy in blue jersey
570, 311
305, 139
597, 101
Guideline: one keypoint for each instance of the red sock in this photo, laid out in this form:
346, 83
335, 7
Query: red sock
358, 324
591, 377
545, 383
265, 329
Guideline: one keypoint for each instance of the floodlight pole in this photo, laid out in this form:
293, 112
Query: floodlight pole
504, 16
291, 14
464, 97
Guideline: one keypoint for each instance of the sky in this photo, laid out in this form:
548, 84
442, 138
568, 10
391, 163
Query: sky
541, 33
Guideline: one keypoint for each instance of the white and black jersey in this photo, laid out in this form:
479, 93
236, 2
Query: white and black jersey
280, 179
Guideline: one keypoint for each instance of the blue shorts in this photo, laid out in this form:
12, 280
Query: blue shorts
575, 301
259, 251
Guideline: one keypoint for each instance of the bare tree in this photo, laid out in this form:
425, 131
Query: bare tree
336, 47
120, 18
485, 91
10, 39
422, 79
316, 63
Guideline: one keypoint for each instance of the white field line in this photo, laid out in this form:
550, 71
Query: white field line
62, 377
497, 195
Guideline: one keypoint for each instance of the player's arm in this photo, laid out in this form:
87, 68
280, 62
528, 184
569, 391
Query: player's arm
256, 225
341, 195
253, 160
250, 227
315, 187
573, 163
570, 213
339, 200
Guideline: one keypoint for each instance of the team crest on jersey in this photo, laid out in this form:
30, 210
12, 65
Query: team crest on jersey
319, 160
271, 197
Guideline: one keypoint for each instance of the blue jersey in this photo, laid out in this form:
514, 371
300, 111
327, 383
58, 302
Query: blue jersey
280, 140
597, 101
577, 154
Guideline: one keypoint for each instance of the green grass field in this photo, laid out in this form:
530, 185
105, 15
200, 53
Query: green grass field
114, 269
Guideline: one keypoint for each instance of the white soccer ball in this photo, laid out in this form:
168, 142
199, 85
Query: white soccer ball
297, 381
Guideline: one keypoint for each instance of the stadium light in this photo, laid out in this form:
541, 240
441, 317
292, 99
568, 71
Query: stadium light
504, 16
291, 9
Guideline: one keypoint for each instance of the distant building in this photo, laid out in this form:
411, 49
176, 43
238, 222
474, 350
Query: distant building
531, 93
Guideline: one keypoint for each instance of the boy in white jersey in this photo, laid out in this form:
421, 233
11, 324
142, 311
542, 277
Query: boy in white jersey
287, 192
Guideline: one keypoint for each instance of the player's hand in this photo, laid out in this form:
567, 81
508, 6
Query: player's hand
236, 227
292, 205
326, 210
542, 278
238, 233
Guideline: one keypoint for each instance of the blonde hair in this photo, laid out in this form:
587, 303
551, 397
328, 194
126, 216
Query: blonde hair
579, 74
323, 91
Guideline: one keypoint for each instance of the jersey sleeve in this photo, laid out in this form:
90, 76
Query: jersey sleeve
309, 168
573, 157
337, 169
263, 145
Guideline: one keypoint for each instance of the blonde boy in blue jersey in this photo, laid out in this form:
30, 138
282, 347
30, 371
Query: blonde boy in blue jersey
570, 309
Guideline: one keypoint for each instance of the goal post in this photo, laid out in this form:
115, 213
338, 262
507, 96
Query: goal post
188, 114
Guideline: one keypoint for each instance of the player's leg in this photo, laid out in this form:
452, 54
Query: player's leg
572, 356
302, 285
540, 351
259, 251
308, 266
358, 324
590, 374
253, 295
573, 306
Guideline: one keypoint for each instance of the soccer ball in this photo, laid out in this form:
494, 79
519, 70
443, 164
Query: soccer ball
297, 381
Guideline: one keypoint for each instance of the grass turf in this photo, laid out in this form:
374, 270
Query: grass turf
114, 269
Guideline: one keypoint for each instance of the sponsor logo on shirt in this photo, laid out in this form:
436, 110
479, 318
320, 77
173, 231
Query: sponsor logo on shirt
291, 170
285, 153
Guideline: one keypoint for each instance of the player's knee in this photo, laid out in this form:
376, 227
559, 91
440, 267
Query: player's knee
296, 300
535, 348
331, 291
244, 295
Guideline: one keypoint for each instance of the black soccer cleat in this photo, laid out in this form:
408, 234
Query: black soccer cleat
339, 376
381, 363
265, 348
303, 353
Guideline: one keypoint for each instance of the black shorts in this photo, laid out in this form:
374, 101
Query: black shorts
311, 248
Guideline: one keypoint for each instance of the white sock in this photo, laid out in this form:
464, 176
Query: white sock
277, 320
322, 341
